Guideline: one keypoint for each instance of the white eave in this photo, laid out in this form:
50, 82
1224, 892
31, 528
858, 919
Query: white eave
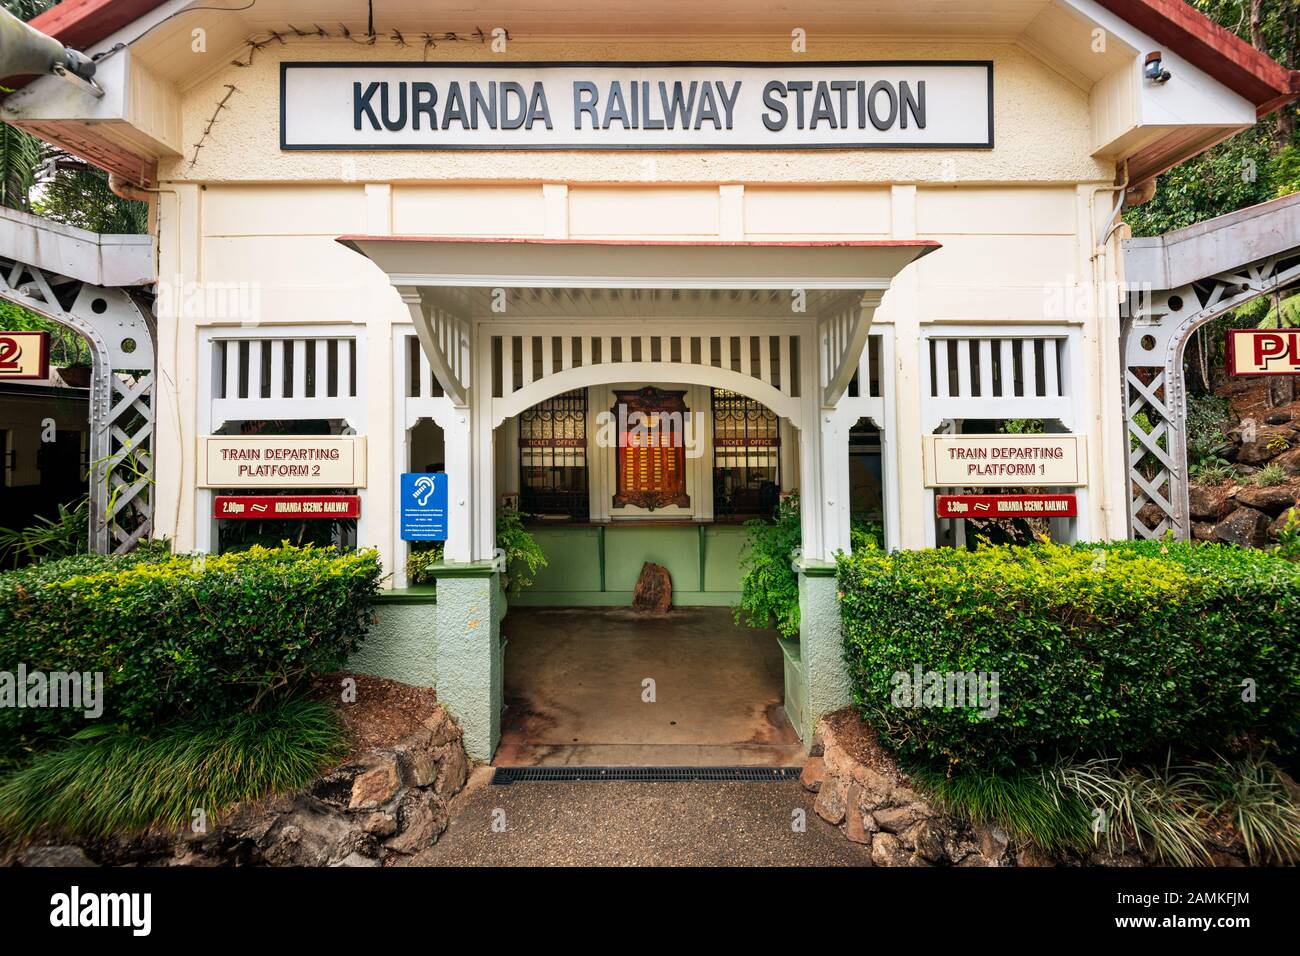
56, 249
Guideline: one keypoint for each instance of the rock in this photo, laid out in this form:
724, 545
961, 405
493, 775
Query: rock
854, 824
421, 818
1203, 530
1272, 499
1150, 515
55, 856
1289, 462
888, 850
419, 768
1280, 522
654, 590
356, 859
830, 805
993, 842
380, 824
442, 729
376, 785
877, 789
453, 769
1245, 527
1258, 452
1030, 855
898, 819
927, 839
1277, 418
813, 773
1210, 502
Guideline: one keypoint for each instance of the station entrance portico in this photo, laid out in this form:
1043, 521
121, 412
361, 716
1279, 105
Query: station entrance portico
506, 325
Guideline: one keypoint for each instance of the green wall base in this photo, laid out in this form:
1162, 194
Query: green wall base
470, 653
401, 644
825, 678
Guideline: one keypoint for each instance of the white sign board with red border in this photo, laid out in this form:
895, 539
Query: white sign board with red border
282, 461
1005, 461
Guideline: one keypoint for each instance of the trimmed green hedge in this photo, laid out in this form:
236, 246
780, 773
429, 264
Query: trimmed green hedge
186, 634
1121, 648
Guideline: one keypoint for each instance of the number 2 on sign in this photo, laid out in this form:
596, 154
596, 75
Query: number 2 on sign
10, 353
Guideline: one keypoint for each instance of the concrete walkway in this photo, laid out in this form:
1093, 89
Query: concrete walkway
576, 690
637, 824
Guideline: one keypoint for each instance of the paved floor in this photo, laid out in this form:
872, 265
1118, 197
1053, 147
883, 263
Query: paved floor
575, 689
637, 824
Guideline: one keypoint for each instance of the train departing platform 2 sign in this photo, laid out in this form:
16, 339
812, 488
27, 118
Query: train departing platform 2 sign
1006, 506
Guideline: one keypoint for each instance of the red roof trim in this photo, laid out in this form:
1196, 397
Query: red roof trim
83, 23
524, 240
1213, 49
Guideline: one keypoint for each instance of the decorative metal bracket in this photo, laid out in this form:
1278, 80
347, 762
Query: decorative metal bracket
1157, 326
122, 342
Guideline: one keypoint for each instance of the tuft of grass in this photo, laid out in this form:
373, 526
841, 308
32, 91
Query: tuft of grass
122, 781
1025, 804
1251, 797
1157, 811
1268, 476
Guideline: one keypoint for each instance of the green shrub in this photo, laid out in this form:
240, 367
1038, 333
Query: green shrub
204, 635
131, 780
1116, 649
523, 555
769, 586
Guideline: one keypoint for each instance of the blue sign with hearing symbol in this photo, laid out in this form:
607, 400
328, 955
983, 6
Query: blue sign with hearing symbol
424, 506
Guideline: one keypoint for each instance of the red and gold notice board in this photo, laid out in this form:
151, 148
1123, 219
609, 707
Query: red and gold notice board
651, 449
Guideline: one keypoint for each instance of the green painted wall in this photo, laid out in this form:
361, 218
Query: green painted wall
598, 565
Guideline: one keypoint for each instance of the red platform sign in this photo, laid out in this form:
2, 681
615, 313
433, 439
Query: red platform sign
1263, 352
1006, 506
287, 507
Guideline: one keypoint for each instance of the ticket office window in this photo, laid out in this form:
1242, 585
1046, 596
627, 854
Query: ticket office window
746, 456
553, 481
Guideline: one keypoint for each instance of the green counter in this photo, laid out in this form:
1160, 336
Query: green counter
597, 565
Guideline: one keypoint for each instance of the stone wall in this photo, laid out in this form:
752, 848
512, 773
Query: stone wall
381, 808
862, 793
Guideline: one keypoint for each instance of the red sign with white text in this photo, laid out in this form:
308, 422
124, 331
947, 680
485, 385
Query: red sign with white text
1006, 506
287, 507
1264, 351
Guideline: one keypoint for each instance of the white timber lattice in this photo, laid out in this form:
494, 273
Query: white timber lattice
530, 363
1157, 326
119, 329
971, 374
284, 373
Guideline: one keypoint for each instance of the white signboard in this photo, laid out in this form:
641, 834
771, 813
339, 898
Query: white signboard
1004, 461
282, 461
848, 105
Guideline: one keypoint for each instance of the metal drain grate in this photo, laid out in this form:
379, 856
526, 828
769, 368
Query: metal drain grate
505, 776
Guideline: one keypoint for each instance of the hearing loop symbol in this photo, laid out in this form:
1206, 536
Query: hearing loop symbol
423, 489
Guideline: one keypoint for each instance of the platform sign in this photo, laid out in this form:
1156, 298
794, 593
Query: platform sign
282, 461
287, 507
1004, 461
424, 506
24, 355
1263, 352
1006, 506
